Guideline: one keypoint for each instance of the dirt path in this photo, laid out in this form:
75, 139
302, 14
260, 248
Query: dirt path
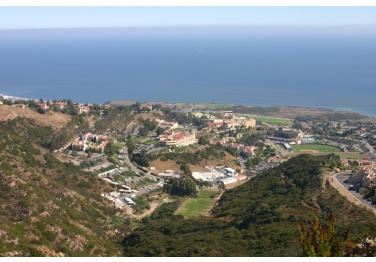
344, 192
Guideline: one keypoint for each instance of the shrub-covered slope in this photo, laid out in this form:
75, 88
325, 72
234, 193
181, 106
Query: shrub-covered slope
254, 219
47, 207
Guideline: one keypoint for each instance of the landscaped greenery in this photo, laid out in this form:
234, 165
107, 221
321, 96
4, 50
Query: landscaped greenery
320, 148
273, 120
144, 182
353, 155
195, 207
198, 206
208, 193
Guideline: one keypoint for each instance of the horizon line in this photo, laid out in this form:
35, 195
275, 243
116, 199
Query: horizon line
193, 26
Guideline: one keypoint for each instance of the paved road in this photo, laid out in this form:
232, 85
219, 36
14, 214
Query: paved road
371, 149
124, 152
341, 177
242, 163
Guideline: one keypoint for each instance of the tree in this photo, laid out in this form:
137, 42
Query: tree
185, 168
74, 154
89, 154
159, 131
322, 240
203, 140
181, 187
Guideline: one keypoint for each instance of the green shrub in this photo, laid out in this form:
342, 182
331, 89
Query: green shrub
50, 235
35, 253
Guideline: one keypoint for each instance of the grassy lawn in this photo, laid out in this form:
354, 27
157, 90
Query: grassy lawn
144, 182
354, 155
118, 145
208, 194
320, 148
272, 120
150, 142
195, 207
218, 106
198, 206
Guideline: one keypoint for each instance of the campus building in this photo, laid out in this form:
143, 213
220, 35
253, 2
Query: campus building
169, 138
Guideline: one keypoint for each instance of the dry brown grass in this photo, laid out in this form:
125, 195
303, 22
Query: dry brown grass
292, 112
149, 114
55, 120
368, 119
162, 166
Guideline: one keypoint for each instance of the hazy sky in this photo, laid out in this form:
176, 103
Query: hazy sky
22, 17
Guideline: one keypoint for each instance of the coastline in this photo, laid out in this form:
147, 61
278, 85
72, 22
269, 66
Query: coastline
164, 103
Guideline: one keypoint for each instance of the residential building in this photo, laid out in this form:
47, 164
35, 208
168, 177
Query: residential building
249, 150
366, 176
44, 106
81, 108
60, 105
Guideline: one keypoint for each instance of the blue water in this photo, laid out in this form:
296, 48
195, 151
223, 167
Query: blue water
249, 67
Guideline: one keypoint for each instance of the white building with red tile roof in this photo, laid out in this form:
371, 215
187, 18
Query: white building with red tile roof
43, 106
79, 144
60, 105
81, 108
179, 139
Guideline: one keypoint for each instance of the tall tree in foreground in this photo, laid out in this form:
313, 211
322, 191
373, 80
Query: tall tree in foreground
323, 240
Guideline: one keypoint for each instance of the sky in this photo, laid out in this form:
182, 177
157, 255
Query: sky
28, 17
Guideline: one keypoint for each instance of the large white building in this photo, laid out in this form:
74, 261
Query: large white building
169, 138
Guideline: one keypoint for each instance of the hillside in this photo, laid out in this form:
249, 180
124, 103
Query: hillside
254, 219
48, 208
53, 119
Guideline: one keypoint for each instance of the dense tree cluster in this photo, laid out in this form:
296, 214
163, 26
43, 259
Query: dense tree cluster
147, 125
181, 187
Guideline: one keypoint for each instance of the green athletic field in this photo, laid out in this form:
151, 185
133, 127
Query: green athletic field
208, 194
273, 120
198, 206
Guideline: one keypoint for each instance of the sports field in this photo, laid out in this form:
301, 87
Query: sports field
273, 120
198, 206
208, 194
315, 148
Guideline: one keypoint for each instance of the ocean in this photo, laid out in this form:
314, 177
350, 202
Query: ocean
248, 65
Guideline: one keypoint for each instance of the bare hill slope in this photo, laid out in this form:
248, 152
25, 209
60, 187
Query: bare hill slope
55, 120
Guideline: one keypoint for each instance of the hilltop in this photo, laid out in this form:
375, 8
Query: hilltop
53, 119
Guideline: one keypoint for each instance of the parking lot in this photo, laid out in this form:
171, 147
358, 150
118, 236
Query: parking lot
98, 167
342, 178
